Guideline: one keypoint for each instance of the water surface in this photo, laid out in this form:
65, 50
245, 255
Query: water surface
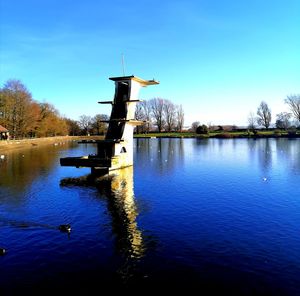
219, 215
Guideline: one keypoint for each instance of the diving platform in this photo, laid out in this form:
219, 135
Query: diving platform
116, 150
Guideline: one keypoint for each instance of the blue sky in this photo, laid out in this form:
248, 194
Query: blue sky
219, 59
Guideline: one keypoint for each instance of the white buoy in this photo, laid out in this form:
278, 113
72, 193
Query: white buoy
2, 156
264, 179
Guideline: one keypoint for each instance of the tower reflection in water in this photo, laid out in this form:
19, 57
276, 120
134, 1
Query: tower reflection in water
122, 207
129, 239
118, 189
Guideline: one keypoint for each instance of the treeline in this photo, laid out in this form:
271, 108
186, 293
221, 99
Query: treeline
284, 120
262, 118
159, 114
25, 117
87, 125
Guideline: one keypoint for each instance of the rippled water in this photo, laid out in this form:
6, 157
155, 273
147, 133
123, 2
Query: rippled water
219, 215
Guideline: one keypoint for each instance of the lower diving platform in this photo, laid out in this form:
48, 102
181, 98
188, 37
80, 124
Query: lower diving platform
86, 161
111, 155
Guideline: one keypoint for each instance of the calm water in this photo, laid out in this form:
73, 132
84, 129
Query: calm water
219, 215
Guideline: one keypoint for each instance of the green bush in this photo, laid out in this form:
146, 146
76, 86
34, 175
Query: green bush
202, 129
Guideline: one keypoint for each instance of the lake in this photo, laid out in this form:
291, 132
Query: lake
218, 215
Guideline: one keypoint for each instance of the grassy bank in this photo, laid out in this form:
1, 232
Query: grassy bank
6, 146
223, 135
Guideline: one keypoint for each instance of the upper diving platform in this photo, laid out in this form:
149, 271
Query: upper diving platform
141, 81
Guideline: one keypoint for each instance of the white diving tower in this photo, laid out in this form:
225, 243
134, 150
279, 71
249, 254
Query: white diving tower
116, 150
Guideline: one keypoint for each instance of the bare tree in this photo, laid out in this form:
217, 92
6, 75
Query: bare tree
170, 114
251, 121
283, 120
179, 118
139, 112
139, 115
293, 102
157, 108
85, 123
146, 105
264, 115
144, 112
97, 125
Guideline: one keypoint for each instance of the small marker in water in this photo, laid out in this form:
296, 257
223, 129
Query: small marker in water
2, 251
264, 179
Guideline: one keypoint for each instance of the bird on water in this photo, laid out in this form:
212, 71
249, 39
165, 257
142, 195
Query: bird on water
65, 228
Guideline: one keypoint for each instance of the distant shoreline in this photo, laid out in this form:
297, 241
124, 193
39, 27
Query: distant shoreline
10, 145
220, 135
